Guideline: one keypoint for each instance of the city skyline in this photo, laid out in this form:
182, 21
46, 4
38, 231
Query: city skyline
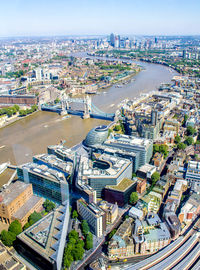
42, 18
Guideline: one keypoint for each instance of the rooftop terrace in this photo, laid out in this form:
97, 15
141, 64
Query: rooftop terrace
123, 185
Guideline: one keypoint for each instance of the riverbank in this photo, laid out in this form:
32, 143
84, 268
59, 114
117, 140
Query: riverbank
14, 119
125, 79
138, 59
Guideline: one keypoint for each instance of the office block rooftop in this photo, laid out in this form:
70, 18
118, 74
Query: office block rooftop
43, 170
53, 161
93, 208
47, 236
61, 151
105, 166
129, 140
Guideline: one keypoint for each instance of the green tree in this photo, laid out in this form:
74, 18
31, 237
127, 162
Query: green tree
77, 253
117, 128
85, 227
181, 146
80, 243
72, 242
34, 217
26, 226
68, 259
75, 214
9, 112
8, 238
133, 198
111, 234
189, 141
49, 205
22, 112
177, 139
73, 234
190, 130
34, 108
16, 107
154, 178
89, 241
163, 148
15, 227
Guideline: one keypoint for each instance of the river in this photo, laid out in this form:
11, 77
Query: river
31, 135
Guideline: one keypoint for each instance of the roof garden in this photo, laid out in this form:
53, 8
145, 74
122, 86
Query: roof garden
123, 185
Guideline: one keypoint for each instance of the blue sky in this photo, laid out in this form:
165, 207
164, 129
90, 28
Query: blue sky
80, 17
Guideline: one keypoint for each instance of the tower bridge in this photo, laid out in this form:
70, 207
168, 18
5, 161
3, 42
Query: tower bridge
88, 110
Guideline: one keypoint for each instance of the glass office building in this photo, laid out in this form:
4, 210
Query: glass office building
47, 183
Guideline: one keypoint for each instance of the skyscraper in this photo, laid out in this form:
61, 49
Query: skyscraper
112, 40
117, 41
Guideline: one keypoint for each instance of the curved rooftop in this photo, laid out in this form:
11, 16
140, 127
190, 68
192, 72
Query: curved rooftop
97, 135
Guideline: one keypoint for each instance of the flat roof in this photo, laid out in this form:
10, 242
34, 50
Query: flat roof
147, 168
115, 166
123, 185
8, 260
157, 234
44, 236
129, 140
52, 160
27, 207
45, 171
62, 150
12, 192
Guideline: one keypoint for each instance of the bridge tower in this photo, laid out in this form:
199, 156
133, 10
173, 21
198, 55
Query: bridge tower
87, 107
64, 105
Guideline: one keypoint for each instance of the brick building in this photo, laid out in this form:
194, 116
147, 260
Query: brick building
141, 186
18, 99
18, 202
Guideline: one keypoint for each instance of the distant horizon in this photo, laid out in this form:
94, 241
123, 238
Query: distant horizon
96, 35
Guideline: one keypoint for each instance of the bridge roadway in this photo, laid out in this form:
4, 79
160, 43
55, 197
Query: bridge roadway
93, 113
164, 254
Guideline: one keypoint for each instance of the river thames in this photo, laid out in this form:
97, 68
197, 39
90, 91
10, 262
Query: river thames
31, 135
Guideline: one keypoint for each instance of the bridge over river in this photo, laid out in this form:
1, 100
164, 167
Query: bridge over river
88, 110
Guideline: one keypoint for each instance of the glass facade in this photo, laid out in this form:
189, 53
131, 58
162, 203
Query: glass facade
44, 187
97, 135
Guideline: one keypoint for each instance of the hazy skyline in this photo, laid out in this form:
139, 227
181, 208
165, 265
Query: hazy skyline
81, 17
